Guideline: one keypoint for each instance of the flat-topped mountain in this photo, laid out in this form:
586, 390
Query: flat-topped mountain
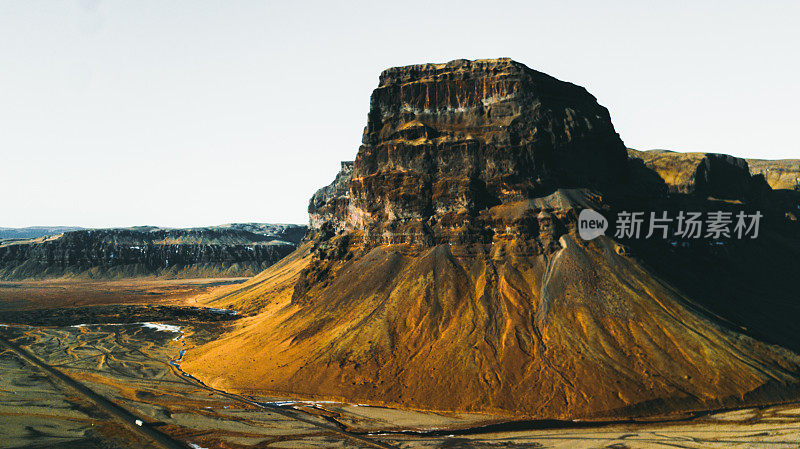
444, 269
446, 141
232, 250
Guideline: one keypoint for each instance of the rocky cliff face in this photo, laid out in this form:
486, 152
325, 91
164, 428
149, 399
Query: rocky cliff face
724, 176
230, 250
706, 174
328, 205
445, 141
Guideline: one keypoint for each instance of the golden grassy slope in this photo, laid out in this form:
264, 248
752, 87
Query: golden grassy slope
780, 174
676, 169
272, 286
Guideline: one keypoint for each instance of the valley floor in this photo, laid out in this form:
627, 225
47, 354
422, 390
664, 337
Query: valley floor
49, 293
136, 369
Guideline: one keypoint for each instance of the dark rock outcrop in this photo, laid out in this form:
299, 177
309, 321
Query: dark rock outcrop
230, 250
724, 176
326, 208
710, 174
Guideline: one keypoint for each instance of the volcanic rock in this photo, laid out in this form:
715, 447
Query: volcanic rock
445, 141
327, 206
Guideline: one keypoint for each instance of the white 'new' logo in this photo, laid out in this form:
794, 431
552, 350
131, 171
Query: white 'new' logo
591, 224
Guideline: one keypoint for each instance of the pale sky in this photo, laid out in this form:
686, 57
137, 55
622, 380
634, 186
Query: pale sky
192, 113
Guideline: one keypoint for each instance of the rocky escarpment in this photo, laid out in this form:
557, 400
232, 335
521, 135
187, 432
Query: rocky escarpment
720, 175
725, 176
446, 141
328, 205
772, 186
230, 250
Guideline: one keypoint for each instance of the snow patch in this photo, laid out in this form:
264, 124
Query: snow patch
281, 403
156, 326
295, 404
162, 327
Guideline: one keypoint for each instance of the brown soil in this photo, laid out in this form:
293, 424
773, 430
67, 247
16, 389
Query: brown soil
37, 294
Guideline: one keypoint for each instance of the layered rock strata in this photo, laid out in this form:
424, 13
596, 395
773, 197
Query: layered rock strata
230, 250
444, 142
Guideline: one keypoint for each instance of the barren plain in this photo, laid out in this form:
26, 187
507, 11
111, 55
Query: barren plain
136, 368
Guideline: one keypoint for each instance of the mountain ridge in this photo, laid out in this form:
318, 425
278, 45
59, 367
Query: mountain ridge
676, 167
232, 250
